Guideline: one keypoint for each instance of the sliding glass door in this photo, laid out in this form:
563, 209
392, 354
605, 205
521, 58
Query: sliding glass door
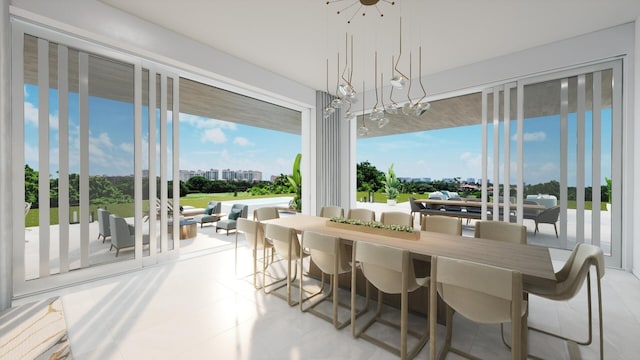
94, 131
550, 152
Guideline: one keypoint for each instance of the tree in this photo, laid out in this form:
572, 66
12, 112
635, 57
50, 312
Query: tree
197, 183
31, 186
369, 175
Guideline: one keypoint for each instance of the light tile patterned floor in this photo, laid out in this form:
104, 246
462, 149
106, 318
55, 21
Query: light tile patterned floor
197, 308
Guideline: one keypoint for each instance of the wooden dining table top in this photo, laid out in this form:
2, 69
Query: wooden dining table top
534, 262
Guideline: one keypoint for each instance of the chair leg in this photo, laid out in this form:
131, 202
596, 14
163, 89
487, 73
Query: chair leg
556, 229
590, 320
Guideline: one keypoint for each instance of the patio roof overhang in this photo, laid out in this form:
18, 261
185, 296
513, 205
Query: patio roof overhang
114, 80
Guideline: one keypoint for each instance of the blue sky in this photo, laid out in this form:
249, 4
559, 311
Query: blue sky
209, 143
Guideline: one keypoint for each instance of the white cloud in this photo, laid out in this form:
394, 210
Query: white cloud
127, 147
472, 161
242, 141
31, 116
534, 136
214, 135
30, 113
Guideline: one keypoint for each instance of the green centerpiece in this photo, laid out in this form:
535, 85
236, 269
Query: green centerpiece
374, 227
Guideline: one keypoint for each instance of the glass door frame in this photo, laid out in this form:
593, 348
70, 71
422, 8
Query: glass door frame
46, 281
615, 258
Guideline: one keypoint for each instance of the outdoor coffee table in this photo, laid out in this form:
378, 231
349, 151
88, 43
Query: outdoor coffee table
188, 228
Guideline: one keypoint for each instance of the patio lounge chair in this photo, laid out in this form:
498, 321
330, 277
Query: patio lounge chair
237, 210
123, 234
548, 216
103, 224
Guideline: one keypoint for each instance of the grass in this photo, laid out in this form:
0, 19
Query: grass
127, 209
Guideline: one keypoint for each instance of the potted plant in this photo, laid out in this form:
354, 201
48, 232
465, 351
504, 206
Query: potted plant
391, 184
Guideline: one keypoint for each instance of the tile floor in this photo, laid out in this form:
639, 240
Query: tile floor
197, 308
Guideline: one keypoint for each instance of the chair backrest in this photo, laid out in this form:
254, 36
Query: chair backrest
253, 233
479, 292
549, 216
120, 234
572, 275
396, 218
216, 207
442, 224
326, 252
284, 239
501, 231
415, 206
331, 211
362, 214
244, 209
383, 266
266, 213
103, 222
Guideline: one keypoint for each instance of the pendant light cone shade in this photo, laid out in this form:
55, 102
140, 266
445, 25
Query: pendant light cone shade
336, 103
349, 115
383, 122
421, 108
407, 109
399, 82
328, 111
376, 114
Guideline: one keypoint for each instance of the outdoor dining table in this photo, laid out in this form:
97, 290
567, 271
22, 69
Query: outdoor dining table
472, 203
534, 262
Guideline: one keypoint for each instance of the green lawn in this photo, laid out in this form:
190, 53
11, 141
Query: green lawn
126, 210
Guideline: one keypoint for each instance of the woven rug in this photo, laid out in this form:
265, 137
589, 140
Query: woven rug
34, 331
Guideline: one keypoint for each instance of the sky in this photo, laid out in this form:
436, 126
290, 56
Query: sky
214, 144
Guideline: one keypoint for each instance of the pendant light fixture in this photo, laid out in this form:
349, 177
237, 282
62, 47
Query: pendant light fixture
377, 113
421, 107
328, 110
363, 130
399, 80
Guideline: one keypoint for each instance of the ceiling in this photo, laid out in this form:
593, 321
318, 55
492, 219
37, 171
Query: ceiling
293, 38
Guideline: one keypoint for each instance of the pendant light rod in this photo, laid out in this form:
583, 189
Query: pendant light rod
400, 54
375, 77
424, 92
409, 89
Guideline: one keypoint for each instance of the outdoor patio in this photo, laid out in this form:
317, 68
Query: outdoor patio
208, 239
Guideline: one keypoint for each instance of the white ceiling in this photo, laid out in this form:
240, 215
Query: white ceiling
293, 38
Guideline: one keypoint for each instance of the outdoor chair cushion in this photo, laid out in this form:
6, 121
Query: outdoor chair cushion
233, 215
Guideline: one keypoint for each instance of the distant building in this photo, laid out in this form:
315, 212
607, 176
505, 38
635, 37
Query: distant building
470, 181
211, 174
240, 175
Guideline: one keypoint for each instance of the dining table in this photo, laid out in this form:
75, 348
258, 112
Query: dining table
532, 261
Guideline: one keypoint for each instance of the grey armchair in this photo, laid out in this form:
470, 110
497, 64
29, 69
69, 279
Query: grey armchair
548, 216
103, 224
237, 210
123, 234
